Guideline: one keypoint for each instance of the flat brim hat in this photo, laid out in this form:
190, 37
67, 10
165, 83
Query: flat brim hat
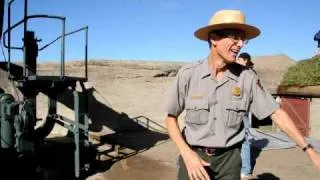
227, 19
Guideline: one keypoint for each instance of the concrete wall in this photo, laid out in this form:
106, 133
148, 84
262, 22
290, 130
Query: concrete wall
315, 118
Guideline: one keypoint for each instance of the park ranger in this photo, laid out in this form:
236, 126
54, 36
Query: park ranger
215, 93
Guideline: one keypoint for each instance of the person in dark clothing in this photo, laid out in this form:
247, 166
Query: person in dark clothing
317, 39
245, 60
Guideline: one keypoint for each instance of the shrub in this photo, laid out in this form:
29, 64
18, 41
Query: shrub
304, 73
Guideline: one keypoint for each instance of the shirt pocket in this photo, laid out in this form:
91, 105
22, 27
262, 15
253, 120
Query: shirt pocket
197, 112
236, 110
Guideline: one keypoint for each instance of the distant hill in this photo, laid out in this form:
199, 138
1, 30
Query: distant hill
277, 61
271, 69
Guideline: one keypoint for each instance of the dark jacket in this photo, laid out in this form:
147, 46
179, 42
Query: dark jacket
317, 36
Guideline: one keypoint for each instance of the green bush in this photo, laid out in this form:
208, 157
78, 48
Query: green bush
304, 73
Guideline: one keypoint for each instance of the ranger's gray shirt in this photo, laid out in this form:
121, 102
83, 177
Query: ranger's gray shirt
214, 109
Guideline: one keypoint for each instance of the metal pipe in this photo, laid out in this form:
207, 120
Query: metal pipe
86, 54
76, 133
9, 35
25, 23
7, 128
62, 48
25, 26
67, 34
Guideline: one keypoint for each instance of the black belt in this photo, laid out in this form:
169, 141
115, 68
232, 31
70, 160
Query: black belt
212, 151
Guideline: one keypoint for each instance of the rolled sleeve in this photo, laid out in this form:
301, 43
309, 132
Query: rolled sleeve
177, 96
263, 104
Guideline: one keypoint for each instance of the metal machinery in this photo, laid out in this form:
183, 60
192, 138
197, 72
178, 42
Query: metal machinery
21, 140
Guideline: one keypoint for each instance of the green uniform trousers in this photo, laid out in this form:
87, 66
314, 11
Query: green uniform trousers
225, 166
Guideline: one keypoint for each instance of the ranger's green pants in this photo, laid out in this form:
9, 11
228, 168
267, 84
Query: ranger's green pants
225, 166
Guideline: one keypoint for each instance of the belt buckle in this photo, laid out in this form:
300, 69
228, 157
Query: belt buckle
206, 150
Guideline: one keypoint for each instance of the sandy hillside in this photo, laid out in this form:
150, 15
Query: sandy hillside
119, 89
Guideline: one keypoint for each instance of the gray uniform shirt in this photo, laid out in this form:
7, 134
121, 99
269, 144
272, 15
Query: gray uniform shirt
214, 109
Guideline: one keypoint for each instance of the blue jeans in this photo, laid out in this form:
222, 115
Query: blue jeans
246, 168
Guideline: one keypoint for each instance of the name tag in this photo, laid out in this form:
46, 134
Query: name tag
196, 97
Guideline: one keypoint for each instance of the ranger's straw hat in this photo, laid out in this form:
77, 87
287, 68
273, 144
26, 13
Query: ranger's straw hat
227, 19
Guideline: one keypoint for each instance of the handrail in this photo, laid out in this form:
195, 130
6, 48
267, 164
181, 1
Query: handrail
22, 21
59, 37
62, 37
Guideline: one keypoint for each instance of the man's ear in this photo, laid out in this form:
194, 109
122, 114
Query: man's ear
213, 39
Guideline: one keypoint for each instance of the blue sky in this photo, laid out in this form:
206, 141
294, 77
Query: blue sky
163, 29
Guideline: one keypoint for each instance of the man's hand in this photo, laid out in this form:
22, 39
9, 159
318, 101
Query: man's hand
193, 162
285, 123
195, 165
315, 157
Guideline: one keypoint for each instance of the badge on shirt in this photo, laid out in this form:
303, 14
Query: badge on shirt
236, 91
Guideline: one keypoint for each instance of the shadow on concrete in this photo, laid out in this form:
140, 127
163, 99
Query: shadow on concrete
266, 176
127, 137
54, 160
125, 145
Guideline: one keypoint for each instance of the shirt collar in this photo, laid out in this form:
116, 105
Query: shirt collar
207, 73
205, 68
